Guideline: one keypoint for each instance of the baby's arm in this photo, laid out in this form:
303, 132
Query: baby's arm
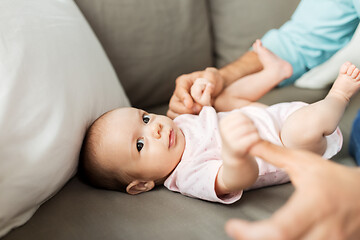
201, 91
239, 170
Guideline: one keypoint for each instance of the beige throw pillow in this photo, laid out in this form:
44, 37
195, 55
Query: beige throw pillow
55, 79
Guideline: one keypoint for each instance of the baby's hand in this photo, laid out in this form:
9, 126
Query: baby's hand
201, 91
238, 134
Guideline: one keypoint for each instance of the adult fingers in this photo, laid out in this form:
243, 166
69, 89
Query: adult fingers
293, 161
183, 97
177, 106
182, 90
210, 74
296, 218
181, 102
171, 114
244, 230
276, 155
327, 229
290, 222
213, 75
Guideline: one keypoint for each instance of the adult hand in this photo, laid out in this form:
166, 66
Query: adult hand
181, 101
325, 204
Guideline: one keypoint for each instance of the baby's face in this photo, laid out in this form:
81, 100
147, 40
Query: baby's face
144, 146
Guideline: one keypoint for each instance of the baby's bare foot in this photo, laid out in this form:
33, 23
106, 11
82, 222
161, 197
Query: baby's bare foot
271, 62
347, 82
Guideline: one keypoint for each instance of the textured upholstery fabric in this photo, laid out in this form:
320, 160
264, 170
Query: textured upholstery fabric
237, 24
150, 43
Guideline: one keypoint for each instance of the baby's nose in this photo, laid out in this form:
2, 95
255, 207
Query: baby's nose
156, 130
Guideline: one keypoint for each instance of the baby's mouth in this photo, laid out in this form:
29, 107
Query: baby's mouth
171, 138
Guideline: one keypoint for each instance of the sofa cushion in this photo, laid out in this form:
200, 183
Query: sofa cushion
55, 79
237, 24
80, 211
150, 43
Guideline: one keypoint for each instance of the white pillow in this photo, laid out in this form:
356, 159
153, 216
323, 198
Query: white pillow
55, 79
325, 74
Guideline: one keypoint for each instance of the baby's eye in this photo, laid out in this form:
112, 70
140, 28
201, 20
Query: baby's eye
139, 144
146, 118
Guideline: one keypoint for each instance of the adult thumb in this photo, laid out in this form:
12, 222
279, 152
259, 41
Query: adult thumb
293, 161
274, 154
240, 229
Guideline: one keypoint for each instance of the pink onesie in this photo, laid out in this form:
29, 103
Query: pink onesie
195, 174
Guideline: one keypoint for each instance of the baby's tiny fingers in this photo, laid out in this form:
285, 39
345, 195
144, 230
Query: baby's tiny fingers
206, 95
196, 92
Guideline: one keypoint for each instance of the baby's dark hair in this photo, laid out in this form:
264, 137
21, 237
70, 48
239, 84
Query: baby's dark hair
90, 167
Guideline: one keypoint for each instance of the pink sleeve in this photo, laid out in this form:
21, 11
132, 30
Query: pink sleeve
199, 182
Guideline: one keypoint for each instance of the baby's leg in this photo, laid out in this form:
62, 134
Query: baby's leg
252, 87
307, 127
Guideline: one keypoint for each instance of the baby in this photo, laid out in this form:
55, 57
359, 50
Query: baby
207, 155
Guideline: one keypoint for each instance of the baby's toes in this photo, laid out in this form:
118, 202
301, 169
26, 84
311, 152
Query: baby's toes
350, 70
355, 73
344, 68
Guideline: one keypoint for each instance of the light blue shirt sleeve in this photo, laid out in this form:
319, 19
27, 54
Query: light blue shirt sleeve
315, 32
357, 6
322, 27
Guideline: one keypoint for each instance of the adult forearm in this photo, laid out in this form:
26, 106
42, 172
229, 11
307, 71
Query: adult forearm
247, 64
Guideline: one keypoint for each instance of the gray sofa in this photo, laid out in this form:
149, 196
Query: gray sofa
150, 43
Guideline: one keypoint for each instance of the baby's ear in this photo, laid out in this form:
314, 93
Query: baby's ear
136, 187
